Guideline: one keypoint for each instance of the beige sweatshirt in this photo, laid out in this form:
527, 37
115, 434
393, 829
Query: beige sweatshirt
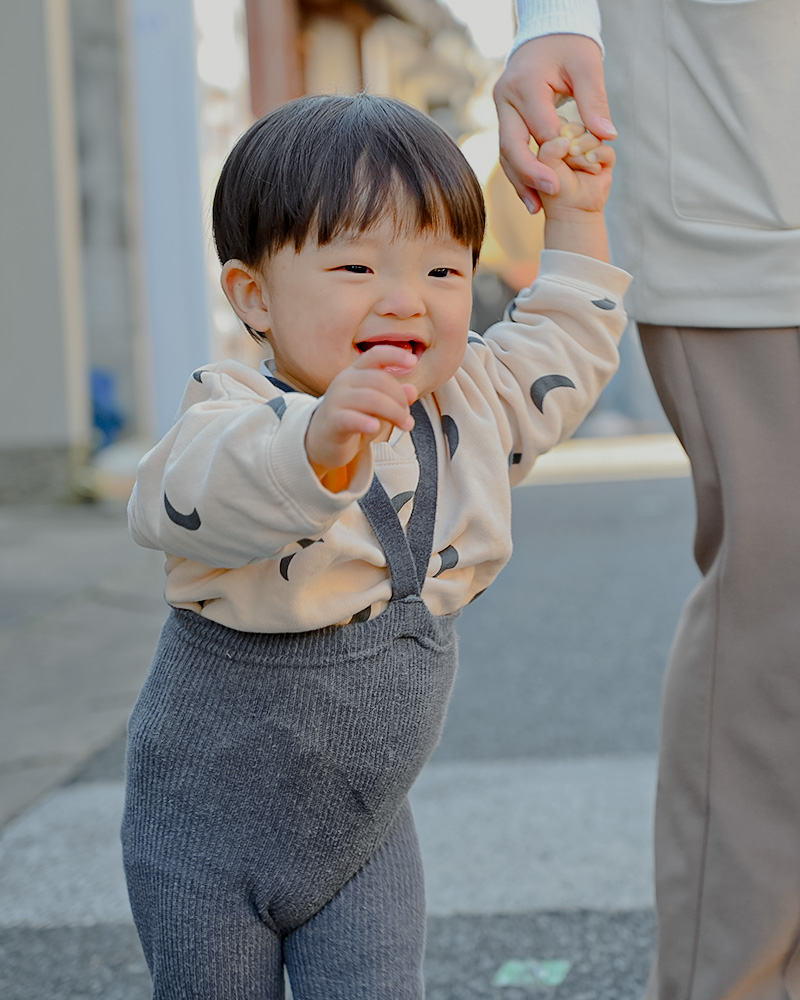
705, 206
254, 540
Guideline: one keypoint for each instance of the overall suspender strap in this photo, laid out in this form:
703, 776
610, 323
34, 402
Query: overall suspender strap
423, 513
408, 555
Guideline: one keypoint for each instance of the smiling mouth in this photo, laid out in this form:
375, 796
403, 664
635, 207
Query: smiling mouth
416, 347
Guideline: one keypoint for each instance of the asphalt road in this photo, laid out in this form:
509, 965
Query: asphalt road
534, 815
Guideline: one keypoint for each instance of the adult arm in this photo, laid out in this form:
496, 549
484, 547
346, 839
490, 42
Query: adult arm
556, 54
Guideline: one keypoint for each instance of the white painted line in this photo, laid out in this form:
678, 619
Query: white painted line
520, 836
61, 862
497, 837
640, 456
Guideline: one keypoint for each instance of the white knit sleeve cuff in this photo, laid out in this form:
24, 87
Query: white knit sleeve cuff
555, 17
292, 472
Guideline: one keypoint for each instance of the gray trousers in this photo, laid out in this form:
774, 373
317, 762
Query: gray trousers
727, 840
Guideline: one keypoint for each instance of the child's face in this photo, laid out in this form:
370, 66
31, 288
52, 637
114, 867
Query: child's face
327, 304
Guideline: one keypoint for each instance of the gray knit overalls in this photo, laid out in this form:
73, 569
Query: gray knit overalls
266, 818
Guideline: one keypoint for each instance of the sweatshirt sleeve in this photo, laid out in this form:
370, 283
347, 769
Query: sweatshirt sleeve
552, 17
553, 353
230, 483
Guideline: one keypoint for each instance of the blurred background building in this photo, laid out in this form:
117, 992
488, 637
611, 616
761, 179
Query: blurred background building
116, 117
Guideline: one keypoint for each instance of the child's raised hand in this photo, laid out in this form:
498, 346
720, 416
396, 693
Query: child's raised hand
581, 144
583, 164
363, 401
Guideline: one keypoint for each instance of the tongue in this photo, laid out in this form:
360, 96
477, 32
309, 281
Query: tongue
405, 344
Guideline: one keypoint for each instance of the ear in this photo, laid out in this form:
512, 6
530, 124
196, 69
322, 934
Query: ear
243, 289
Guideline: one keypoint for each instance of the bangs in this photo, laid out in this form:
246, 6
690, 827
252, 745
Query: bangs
414, 199
321, 166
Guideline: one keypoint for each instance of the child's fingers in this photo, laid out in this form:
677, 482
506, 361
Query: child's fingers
554, 151
582, 144
384, 402
594, 161
348, 422
411, 393
371, 386
376, 392
361, 401
603, 156
368, 423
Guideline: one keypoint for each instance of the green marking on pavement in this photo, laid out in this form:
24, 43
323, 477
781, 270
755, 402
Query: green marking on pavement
532, 972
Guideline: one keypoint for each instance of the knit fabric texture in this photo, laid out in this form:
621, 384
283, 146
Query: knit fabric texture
265, 770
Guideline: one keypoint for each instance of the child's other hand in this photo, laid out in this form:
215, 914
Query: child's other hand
363, 402
583, 164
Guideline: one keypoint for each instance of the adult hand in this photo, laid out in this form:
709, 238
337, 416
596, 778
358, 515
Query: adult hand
540, 73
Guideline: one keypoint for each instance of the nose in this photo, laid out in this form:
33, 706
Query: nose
401, 300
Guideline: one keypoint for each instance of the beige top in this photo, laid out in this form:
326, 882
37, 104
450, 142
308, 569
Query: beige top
704, 210
257, 543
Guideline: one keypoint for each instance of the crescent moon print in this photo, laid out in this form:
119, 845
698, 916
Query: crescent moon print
285, 565
198, 375
278, 405
604, 303
399, 500
450, 432
189, 521
449, 557
303, 543
543, 385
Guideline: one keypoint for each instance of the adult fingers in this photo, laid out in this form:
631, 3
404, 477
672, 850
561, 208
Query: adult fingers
589, 91
526, 172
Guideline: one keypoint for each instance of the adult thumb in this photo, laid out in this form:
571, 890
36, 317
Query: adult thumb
589, 91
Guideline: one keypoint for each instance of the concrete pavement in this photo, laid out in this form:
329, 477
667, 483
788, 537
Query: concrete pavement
79, 610
534, 814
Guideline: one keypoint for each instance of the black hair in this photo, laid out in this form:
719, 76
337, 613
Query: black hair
318, 166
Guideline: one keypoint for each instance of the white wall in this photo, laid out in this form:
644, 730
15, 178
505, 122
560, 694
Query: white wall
166, 163
44, 401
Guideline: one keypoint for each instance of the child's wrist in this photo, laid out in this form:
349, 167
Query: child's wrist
577, 231
569, 215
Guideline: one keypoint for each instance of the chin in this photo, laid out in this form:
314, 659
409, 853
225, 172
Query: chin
429, 382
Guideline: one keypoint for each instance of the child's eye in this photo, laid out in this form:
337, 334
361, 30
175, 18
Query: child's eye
441, 272
355, 268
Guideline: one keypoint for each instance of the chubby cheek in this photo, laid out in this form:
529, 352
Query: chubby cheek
442, 364
330, 350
